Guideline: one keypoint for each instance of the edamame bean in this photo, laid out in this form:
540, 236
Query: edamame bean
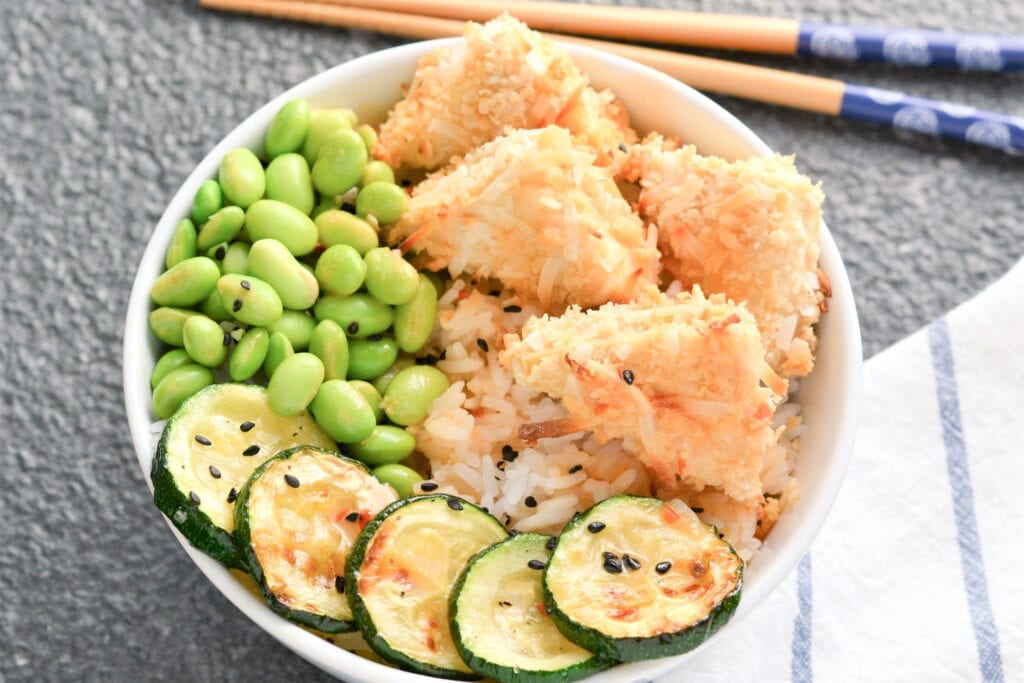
271, 261
377, 171
251, 300
241, 177
359, 314
401, 478
411, 393
178, 385
384, 201
343, 412
183, 243
340, 227
414, 320
297, 326
330, 345
288, 181
288, 129
385, 445
186, 283
340, 163
204, 341
369, 136
269, 218
322, 126
213, 308
223, 226
389, 277
174, 358
294, 384
167, 324
371, 395
278, 350
440, 284
381, 383
340, 270
371, 358
236, 259
249, 354
207, 201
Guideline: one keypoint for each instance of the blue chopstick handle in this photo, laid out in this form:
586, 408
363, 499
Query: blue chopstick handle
949, 120
967, 51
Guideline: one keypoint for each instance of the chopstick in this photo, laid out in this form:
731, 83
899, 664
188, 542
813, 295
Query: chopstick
912, 47
798, 91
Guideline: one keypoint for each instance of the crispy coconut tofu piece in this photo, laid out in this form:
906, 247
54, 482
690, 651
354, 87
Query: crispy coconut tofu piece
503, 75
748, 229
533, 211
683, 382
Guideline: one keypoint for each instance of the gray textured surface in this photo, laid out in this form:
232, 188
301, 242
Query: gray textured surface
104, 109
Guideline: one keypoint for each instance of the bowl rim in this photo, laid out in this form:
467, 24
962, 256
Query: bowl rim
333, 659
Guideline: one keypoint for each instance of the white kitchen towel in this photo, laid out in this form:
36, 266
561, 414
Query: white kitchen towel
918, 574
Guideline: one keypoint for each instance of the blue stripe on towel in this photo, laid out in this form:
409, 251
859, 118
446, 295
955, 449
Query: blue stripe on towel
800, 665
972, 562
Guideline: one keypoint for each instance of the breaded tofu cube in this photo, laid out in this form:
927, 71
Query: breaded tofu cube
531, 210
748, 229
503, 75
682, 381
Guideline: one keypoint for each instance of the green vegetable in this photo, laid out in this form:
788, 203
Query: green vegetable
340, 163
359, 314
204, 341
249, 354
385, 445
272, 262
295, 383
236, 259
298, 326
415, 319
377, 171
381, 383
183, 243
278, 350
175, 358
340, 227
213, 308
222, 226
330, 345
288, 129
241, 177
207, 201
251, 300
269, 218
371, 395
401, 478
411, 393
343, 412
389, 277
288, 181
370, 358
325, 123
166, 323
177, 386
369, 136
340, 270
186, 283
384, 201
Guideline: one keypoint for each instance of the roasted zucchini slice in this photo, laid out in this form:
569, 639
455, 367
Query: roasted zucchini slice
208, 450
295, 522
637, 578
500, 623
400, 574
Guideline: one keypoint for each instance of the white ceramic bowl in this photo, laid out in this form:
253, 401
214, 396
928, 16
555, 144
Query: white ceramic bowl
370, 85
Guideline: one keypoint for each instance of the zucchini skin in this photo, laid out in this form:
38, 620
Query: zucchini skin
250, 562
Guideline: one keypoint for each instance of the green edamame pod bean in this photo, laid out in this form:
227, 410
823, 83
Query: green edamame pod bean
385, 445
415, 319
376, 171
382, 382
440, 284
340, 227
325, 123
204, 341
389, 277
342, 412
349, 115
330, 345
297, 326
411, 393
369, 136
167, 324
223, 226
269, 218
370, 358
249, 354
401, 478
371, 395
288, 129
271, 261
288, 181
177, 386
241, 177
340, 163
251, 300
340, 269
213, 308
183, 243
186, 283
384, 201
207, 201
174, 358
278, 349
359, 314
236, 259
294, 384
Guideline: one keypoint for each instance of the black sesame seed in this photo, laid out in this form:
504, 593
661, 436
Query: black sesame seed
630, 562
454, 503
623, 148
405, 182
232, 495
698, 510
339, 584
219, 254
550, 545
429, 359
246, 285
606, 554
482, 343
530, 502
509, 454
214, 472
375, 338
627, 376
428, 486
353, 327
237, 305
246, 426
575, 468
494, 292
612, 565
595, 527
352, 517
501, 465
444, 354
351, 208
251, 450
505, 603
228, 339
513, 309
535, 564
203, 440
194, 497
662, 567
512, 533
291, 480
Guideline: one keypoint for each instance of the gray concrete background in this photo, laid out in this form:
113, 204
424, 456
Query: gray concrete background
104, 109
